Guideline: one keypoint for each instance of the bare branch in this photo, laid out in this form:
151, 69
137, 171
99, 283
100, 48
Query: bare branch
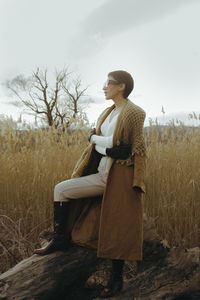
14, 90
74, 96
40, 97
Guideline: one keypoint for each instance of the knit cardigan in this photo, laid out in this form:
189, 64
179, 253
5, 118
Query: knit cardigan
128, 130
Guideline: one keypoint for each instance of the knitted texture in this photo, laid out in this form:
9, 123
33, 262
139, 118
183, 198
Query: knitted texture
129, 128
132, 121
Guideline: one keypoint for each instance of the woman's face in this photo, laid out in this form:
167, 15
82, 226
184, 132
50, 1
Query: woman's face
112, 88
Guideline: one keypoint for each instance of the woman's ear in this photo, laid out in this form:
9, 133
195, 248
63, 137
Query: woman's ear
122, 86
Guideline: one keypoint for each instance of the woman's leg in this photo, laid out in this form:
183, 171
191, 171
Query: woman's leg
61, 239
117, 268
86, 186
116, 280
82, 187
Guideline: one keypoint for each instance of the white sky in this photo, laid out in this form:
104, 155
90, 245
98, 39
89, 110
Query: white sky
157, 41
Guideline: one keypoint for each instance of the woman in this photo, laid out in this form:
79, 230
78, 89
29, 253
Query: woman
100, 206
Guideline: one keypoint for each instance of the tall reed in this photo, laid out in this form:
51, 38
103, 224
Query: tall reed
173, 184
32, 162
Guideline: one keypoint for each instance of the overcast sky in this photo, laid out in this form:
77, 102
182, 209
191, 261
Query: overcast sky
157, 41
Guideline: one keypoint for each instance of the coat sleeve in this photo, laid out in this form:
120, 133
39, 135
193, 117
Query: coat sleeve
139, 152
139, 173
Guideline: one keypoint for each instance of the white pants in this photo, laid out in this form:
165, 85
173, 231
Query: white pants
82, 187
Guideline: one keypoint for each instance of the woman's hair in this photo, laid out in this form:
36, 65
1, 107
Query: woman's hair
124, 77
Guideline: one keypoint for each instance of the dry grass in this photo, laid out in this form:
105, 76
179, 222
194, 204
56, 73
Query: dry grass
173, 185
33, 162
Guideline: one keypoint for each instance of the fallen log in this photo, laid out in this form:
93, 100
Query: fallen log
171, 275
165, 273
176, 276
48, 277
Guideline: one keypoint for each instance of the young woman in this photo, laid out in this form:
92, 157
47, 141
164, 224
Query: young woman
101, 205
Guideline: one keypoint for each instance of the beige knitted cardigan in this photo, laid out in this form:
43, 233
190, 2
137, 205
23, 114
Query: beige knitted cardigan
128, 130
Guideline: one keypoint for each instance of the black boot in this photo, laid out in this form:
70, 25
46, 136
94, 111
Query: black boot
61, 239
115, 283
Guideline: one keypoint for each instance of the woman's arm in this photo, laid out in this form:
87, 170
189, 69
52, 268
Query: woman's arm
116, 152
119, 152
103, 141
100, 149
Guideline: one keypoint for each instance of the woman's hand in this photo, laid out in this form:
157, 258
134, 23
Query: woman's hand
119, 152
91, 132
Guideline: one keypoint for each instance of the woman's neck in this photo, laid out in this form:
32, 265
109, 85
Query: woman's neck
119, 102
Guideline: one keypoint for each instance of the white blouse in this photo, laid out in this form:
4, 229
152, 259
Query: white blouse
105, 140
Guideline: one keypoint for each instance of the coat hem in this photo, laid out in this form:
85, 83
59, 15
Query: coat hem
134, 257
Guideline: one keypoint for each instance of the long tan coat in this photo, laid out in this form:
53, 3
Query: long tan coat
113, 223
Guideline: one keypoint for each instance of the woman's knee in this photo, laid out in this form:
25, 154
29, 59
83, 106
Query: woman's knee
60, 191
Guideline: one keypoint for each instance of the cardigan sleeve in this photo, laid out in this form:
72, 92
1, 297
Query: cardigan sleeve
139, 173
139, 153
138, 150
133, 123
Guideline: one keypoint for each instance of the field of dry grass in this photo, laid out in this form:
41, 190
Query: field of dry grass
173, 185
33, 162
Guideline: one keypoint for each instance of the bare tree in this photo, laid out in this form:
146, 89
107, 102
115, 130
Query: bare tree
56, 105
74, 95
